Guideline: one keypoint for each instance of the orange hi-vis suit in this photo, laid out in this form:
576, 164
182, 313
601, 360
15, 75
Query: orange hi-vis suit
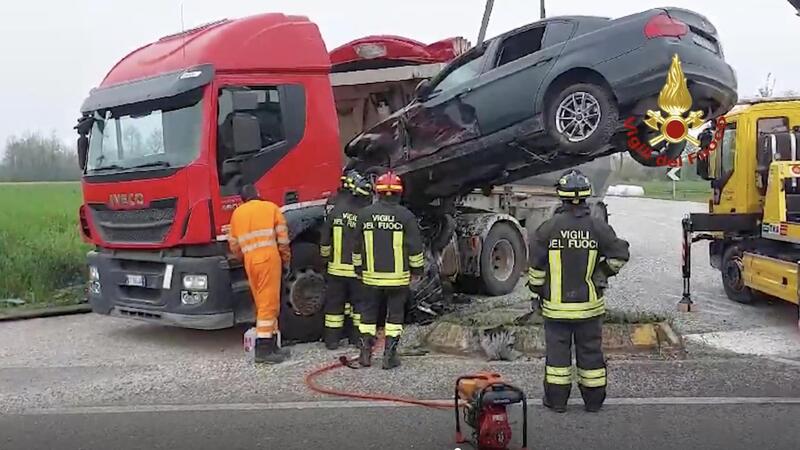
259, 234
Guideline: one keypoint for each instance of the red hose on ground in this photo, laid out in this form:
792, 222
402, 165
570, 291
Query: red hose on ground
344, 362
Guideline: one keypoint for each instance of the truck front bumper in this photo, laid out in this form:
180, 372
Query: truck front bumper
149, 287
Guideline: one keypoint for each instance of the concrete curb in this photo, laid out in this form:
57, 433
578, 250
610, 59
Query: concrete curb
35, 313
451, 338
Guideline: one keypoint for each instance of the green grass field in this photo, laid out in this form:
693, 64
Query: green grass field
40, 246
696, 191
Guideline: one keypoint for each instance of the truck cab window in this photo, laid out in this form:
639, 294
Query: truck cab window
270, 120
772, 125
728, 149
520, 44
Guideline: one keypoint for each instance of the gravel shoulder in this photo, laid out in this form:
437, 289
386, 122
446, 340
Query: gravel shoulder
90, 360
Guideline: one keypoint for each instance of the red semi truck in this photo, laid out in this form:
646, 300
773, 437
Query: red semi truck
178, 125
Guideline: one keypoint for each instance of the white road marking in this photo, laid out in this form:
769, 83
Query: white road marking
781, 342
350, 404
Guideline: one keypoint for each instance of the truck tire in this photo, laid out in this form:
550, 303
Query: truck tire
581, 117
732, 276
502, 259
302, 316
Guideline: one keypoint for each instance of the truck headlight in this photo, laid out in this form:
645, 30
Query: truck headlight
195, 282
94, 274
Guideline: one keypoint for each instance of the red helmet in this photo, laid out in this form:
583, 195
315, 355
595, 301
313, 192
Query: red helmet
388, 184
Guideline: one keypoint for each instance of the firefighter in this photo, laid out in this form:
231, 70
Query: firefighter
336, 248
259, 235
574, 253
387, 252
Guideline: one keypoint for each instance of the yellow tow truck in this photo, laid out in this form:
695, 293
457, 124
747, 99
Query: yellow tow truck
753, 219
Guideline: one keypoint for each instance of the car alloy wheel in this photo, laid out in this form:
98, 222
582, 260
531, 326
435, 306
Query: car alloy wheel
578, 116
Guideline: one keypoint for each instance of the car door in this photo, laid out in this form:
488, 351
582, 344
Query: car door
441, 118
506, 92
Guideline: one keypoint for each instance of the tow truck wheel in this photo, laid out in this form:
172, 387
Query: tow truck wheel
302, 318
582, 117
502, 259
733, 276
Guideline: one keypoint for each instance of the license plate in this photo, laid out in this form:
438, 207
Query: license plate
134, 280
705, 43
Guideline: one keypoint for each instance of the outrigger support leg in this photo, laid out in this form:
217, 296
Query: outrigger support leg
686, 304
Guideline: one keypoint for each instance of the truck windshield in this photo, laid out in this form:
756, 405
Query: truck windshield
155, 134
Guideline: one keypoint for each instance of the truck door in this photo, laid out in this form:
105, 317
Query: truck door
442, 119
764, 127
506, 93
725, 161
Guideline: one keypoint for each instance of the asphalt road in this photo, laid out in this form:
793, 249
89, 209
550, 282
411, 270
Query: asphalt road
684, 427
91, 361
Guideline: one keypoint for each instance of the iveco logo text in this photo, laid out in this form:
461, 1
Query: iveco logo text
126, 200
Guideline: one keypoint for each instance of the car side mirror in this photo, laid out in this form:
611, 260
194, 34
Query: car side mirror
246, 133
422, 90
83, 150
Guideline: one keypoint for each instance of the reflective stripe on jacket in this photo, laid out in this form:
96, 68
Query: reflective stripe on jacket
258, 231
573, 255
389, 247
339, 234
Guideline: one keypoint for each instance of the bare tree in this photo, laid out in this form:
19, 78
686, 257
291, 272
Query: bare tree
33, 157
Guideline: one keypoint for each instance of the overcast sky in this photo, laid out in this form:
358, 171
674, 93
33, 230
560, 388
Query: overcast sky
54, 51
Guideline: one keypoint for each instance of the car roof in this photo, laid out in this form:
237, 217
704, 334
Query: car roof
574, 18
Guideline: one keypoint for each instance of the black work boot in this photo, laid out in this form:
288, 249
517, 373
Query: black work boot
267, 352
390, 358
366, 341
353, 335
331, 338
558, 409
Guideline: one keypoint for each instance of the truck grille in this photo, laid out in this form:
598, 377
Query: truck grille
148, 225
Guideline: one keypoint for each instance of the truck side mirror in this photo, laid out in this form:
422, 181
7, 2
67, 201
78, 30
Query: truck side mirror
422, 90
246, 133
703, 165
702, 169
83, 150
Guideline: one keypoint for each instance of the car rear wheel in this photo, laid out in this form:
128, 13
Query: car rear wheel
582, 117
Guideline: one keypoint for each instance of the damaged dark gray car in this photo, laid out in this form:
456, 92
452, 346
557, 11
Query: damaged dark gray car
544, 97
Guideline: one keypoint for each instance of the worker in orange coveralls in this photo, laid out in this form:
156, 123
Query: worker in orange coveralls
259, 235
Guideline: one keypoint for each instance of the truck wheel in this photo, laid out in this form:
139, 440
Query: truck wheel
502, 259
582, 117
302, 318
733, 276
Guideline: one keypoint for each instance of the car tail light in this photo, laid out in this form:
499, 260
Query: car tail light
663, 25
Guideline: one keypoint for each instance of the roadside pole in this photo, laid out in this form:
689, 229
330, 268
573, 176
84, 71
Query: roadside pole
673, 175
